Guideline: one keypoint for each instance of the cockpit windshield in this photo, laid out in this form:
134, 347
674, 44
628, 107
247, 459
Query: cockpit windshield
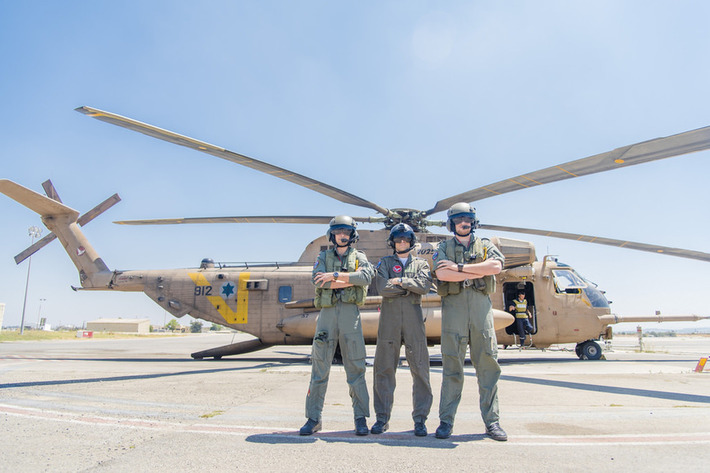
565, 278
569, 282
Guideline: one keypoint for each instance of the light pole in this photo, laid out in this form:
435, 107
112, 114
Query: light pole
39, 312
34, 232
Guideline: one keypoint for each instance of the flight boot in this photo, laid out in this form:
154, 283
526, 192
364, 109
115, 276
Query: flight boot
310, 427
444, 430
379, 427
420, 429
495, 432
361, 426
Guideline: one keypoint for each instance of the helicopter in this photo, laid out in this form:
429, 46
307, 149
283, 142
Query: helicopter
274, 301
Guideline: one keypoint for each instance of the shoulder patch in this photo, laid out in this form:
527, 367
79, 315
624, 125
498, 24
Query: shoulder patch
436, 253
379, 263
315, 265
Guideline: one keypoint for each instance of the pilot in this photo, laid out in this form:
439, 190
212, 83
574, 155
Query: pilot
402, 279
519, 308
341, 275
465, 266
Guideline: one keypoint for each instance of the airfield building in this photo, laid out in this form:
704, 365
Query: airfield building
119, 325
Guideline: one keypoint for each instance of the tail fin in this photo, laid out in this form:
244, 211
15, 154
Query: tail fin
62, 221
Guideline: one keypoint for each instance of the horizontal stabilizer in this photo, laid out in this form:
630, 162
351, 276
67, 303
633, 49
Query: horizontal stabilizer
37, 202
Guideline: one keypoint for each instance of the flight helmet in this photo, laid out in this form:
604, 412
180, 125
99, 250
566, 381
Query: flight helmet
402, 230
342, 221
461, 209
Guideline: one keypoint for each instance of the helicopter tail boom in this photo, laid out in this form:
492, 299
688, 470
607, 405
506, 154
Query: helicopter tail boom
62, 221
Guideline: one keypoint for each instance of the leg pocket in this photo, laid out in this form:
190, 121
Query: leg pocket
490, 342
323, 347
355, 346
453, 344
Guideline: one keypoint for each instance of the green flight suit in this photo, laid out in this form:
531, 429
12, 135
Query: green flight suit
467, 319
401, 320
340, 323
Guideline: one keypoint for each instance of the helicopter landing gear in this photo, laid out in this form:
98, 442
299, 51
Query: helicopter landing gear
589, 350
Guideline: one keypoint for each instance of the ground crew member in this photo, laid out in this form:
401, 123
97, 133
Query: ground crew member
465, 267
519, 308
341, 275
401, 280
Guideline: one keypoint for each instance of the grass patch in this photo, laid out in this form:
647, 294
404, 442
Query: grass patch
211, 414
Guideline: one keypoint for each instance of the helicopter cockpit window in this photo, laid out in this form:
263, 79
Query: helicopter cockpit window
567, 281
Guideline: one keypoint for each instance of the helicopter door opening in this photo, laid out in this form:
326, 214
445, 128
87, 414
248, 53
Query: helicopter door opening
510, 294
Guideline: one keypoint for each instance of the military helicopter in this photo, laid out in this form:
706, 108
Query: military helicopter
274, 302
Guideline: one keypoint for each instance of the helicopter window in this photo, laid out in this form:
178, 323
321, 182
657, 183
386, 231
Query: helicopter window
567, 281
596, 297
285, 294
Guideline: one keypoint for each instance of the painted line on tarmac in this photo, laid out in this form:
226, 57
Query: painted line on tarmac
388, 437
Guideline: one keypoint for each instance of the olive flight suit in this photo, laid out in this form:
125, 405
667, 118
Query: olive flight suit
467, 319
401, 320
339, 322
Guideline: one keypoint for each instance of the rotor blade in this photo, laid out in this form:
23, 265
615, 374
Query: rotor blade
50, 190
659, 148
32, 249
275, 171
83, 220
98, 210
679, 252
256, 219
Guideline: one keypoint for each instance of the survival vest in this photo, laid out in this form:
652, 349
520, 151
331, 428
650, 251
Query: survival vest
352, 294
521, 309
476, 253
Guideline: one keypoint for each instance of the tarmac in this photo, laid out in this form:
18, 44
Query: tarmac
129, 405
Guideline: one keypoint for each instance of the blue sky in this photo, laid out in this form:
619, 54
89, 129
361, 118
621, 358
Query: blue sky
400, 102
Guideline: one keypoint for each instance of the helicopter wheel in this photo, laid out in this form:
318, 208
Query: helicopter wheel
578, 350
590, 350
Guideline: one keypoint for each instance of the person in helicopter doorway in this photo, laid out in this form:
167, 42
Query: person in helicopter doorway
519, 308
341, 275
402, 279
465, 266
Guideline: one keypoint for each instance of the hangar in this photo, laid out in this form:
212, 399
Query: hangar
119, 325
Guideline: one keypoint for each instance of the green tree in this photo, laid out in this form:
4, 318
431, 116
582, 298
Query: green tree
172, 325
196, 327
215, 327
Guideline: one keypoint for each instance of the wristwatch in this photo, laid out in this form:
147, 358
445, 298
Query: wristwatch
335, 275
460, 267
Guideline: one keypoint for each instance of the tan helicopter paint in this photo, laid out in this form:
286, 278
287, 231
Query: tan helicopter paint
247, 298
228, 295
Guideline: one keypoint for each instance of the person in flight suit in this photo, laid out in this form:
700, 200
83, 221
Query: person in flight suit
519, 308
401, 280
341, 275
465, 266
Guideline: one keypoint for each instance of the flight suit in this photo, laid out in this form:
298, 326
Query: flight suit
401, 320
340, 323
467, 319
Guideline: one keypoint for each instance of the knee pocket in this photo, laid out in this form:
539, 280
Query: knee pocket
453, 344
490, 343
355, 346
322, 346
